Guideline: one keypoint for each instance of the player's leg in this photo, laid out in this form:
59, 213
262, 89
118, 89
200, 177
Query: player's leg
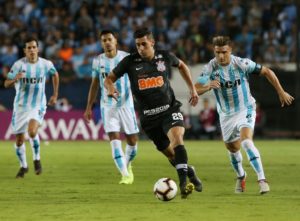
231, 138
129, 124
131, 148
175, 135
130, 153
254, 158
236, 160
19, 125
118, 156
34, 140
112, 127
21, 154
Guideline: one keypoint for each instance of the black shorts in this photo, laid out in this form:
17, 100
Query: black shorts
157, 129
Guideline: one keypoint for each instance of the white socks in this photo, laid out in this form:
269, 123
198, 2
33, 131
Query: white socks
130, 153
35, 145
21, 154
254, 158
236, 162
118, 156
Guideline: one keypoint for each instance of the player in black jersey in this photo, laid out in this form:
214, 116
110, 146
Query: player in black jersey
160, 115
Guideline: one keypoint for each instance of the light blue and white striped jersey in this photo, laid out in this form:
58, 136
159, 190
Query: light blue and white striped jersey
30, 90
102, 66
234, 94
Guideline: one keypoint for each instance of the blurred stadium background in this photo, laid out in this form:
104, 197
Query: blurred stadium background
265, 31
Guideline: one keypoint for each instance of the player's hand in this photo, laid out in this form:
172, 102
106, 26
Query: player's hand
194, 97
285, 99
215, 84
19, 76
87, 115
52, 100
113, 93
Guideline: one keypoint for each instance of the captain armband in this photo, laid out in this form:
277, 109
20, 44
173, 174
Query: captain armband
257, 69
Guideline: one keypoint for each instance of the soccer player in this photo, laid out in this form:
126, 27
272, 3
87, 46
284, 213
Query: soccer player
228, 76
28, 75
116, 114
161, 119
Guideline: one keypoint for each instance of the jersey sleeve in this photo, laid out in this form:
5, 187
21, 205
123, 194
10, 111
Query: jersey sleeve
15, 69
204, 75
51, 69
122, 67
250, 67
174, 61
95, 68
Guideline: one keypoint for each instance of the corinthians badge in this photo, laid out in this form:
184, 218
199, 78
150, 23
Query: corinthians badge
161, 66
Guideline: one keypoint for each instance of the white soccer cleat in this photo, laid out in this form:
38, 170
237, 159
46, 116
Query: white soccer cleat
264, 186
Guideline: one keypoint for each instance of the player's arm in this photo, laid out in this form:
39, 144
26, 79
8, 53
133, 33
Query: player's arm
11, 82
109, 85
284, 97
55, 83
186, 75
94, 87
203, 88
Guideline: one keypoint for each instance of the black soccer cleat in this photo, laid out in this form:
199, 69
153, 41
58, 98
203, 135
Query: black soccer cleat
37, 167
22, 172
186, 189
195, 180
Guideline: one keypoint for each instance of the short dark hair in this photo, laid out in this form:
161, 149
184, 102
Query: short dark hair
30, 39
106, 31
221, 41
139, 33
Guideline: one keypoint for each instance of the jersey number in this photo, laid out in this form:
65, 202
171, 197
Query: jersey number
177, 116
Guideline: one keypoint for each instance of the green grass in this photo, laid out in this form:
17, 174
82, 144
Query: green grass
80, 182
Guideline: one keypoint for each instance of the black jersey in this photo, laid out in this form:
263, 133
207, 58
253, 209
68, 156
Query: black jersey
150, 83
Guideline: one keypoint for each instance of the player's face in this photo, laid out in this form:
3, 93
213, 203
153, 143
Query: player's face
31, 51
108, 42
145, 47
222, 54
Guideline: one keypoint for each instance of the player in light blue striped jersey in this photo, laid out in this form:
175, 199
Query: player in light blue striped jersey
117, 115
28, 75
228, 76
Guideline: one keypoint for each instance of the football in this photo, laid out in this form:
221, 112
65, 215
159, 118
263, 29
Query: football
165, 189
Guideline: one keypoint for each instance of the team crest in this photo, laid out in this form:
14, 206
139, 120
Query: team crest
161, 66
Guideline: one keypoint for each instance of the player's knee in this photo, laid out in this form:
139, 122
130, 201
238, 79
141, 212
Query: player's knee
32, 134
132, 140
19, 143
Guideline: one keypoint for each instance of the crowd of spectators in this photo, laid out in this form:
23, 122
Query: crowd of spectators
263, 30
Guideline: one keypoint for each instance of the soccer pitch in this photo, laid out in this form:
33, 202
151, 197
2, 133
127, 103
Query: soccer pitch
80, 182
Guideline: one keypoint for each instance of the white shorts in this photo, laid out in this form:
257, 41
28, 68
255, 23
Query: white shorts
119, 119
20, 119
231, 125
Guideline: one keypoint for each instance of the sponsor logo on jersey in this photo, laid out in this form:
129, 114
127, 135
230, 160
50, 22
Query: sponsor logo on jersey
32, 80
230, 84
153, 82
156, 110
161, 66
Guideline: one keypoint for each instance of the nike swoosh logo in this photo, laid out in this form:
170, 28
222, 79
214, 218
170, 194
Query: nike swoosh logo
174, 122
139, 68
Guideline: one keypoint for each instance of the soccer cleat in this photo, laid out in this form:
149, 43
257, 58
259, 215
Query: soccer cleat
195, 180
240, 184
264, 186
130, 173
37, 167
186, 189
126, 180
22, 172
